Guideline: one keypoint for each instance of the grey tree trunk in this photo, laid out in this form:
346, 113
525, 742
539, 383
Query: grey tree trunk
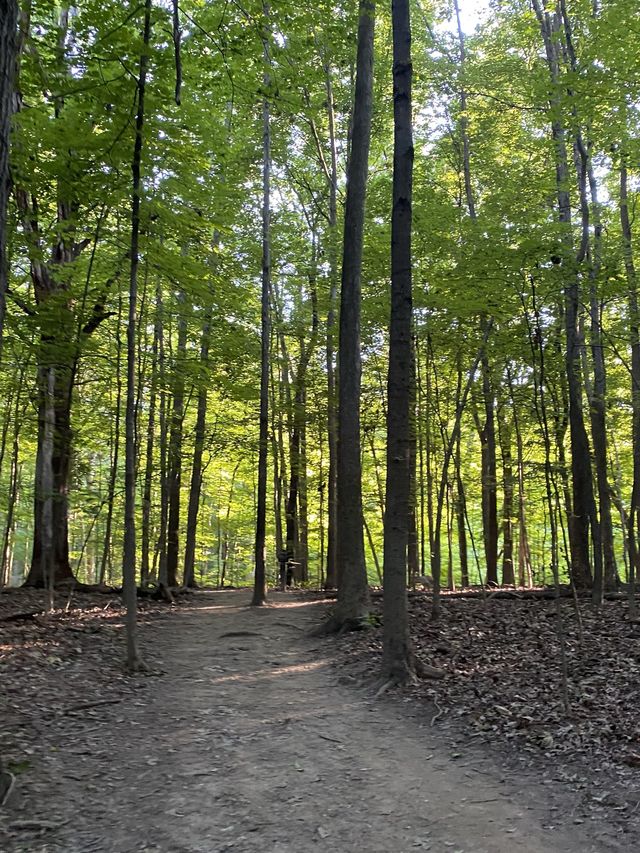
353, 591
398, 664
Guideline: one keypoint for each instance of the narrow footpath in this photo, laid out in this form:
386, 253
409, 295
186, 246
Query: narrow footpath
251, 740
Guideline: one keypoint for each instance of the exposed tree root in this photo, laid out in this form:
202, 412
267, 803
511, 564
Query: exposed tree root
425, 670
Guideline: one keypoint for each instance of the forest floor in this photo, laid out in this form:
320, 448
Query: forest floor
250, 735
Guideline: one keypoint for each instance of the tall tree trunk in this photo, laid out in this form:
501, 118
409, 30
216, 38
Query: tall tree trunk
489, 478
196, 466
583, 502
461, 514
113, 474
8, 59
634, 334
260, 578
413, 557
524, 554
504, 434
134, 661
331, 581
145, 566
398, 664
353, 591
487, 431
175, 446
14, 478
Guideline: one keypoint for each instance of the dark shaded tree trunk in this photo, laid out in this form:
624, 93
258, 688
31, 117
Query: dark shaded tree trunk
398, 663
413, 557
487, 431
634, 334
331, 581
260, 577
134, 661
353, 591
583, 500
489, 478
174, 462
8, 60
195, 486
460, 509
115, 457
145, 566
504, 434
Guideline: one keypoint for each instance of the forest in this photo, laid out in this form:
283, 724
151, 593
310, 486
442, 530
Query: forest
330, 304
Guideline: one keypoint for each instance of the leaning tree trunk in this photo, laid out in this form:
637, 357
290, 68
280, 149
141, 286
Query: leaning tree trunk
398, 663
353, 591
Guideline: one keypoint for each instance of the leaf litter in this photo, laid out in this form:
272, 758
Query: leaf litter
502, 689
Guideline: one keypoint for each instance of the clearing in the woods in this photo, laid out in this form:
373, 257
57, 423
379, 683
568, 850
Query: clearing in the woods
248, 737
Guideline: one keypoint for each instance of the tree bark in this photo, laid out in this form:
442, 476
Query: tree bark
634, 334
582, 482
196, 466
398, 663
260, 577
8, 59
353, 591
175, 446
113, 474
134, 661
145, 566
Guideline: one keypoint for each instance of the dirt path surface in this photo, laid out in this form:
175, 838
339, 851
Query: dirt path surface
250, 741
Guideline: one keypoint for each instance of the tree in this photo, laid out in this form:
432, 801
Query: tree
398, 664
260, 581
353, 595
134, 661
8, 58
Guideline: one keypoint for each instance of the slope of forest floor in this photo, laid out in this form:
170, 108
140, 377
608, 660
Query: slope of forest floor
249, 735
504, 687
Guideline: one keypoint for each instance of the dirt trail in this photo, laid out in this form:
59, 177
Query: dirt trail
250, 742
